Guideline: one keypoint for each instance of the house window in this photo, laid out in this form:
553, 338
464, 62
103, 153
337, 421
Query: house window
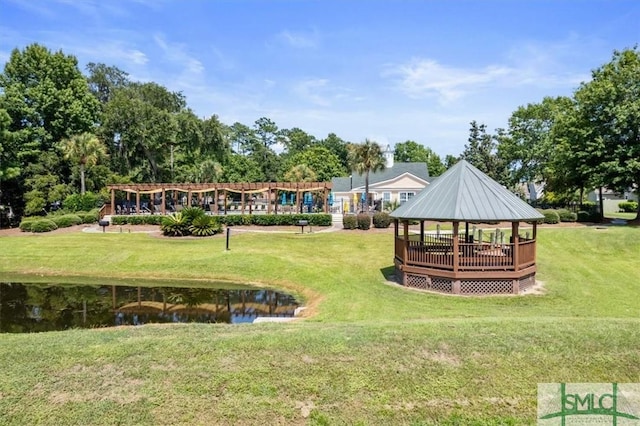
386, 197
406, 196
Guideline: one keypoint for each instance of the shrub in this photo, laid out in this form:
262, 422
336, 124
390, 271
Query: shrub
66, 220
27, 222
567, 216
43, 225
349, 221
191, 213
364, 221
587, 216
204, 226
137, 220
174, 225
89, 217
551, 216
628, 206
79, 202
381, 220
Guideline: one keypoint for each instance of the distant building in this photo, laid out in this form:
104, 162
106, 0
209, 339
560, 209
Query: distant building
398, 182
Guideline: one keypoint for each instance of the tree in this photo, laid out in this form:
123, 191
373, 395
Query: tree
242, 169
337, 146
364, 159
84, 150
47, 99
103, 80
481, 152
300, 173
528, 145
140, 125
411, 151
325, 164
609, 108
297, 140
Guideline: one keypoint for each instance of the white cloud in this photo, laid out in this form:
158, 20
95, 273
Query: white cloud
178, 53
426, 77
299, 40
313, 90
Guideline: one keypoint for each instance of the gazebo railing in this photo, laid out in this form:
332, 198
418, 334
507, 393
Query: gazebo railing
438, 253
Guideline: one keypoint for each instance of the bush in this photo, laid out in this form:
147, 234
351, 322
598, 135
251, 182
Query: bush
191, 213
364, 221
381, 220
204, 226
27, 222
66, 220
175, 225
567, 216
43, 225
137, 220
628, 206
89, 217
78, 202
551, 216
349, 221
587, 216
276, 219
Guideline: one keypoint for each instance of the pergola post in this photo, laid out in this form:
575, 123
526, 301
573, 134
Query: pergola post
215, 201
138, 202
225, 201
242, 199
113, 201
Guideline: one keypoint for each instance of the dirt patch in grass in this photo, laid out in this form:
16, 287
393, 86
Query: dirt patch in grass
95, 383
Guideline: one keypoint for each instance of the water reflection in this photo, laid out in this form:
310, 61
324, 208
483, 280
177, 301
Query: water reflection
36, 307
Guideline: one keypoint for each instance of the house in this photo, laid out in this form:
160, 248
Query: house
397, 183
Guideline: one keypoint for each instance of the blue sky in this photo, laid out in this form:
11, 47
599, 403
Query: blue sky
390, 71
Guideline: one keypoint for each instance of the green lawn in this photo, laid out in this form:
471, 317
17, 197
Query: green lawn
369, 352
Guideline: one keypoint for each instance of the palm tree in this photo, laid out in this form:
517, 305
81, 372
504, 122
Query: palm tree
364, 159
84, 150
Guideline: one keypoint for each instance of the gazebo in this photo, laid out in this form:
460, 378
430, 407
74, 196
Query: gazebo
468, 259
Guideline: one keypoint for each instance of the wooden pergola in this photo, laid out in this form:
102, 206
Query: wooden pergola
466, 259
215, 196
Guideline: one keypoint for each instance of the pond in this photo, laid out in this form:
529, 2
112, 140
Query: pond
26, 308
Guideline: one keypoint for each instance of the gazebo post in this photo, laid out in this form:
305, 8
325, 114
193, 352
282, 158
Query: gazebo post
515, 240
405, 249
456, 256
422, 231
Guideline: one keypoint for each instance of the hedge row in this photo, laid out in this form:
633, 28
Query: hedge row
137, 220
235, 219
553, 216
54, 221
363, 221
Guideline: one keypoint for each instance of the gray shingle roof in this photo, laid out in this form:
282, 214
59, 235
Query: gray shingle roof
342, 184
464, 193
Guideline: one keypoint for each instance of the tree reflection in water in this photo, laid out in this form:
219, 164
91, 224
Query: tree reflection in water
47, 307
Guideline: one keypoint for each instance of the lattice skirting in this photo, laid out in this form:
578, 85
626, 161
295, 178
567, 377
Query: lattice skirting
527, 283
486, 286
467, 287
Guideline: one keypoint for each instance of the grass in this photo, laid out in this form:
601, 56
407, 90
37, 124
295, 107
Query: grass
369, 352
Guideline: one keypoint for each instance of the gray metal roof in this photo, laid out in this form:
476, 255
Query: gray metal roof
343, 184
465, 194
